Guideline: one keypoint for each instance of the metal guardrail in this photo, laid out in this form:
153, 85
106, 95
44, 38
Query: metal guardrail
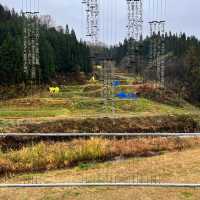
100, 134
67, 185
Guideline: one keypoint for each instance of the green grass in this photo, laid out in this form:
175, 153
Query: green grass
82, 100
86, 166
146, 105
187, 195
93, 106
5, 123
33, 113
88, 104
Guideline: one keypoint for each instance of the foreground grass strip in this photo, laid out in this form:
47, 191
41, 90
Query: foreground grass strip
186, 167
56, 155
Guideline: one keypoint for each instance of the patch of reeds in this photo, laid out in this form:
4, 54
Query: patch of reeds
45, 155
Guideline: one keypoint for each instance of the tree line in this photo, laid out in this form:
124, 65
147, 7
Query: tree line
182, 72
60, 50
62, 53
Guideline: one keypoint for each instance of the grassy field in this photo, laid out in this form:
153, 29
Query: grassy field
84, 101
167, 167
100, 194
80, 108
69, 107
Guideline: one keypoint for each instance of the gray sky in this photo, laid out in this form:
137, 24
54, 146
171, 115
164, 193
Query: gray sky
181, 16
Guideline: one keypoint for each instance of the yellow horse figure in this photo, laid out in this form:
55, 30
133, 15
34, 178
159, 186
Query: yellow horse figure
54, 90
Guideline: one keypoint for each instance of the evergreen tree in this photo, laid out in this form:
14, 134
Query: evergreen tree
60, 52
10, 61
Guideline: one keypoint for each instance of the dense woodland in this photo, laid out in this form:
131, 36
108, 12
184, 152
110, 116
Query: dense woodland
182, 71
61, 52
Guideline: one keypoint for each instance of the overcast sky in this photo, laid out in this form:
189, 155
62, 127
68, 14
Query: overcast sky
181, 16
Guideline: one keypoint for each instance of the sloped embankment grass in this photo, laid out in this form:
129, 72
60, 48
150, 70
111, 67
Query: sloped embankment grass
46, 156
168, 167
140, 124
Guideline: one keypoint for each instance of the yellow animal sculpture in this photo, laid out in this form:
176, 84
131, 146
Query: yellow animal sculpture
54, 90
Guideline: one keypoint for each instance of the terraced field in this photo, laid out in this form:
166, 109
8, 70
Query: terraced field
84, 102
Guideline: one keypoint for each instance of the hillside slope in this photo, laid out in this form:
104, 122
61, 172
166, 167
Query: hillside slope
79, 107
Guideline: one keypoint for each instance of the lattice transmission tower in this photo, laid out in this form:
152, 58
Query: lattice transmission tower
30, 12
107, 81
157, 42
92, 23
92, 15
157, 50
135, 31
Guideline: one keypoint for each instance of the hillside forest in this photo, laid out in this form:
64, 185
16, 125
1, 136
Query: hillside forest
62, 53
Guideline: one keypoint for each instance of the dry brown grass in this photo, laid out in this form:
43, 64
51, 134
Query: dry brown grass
180, 167
100, 194
44, 156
